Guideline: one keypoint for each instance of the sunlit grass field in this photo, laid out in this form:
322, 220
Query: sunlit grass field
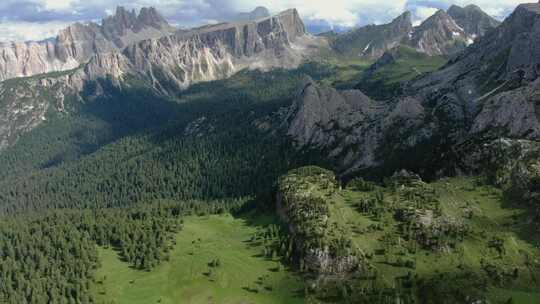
243, 276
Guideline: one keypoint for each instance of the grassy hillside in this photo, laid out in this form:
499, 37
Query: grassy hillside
383, 80
243, 275
488, 217
443, 242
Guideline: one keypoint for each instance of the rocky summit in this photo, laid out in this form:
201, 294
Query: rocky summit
440, 34
76, 44
472, 19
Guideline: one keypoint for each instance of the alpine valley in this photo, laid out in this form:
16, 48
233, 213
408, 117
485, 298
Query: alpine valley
250, 161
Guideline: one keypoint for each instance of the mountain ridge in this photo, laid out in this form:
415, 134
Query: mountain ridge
167, 65
78, 42
444, 33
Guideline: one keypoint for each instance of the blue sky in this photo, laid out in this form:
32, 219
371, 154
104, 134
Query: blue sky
39, 19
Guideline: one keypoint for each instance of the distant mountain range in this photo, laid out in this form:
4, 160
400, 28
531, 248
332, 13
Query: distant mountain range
444, 33
76, 44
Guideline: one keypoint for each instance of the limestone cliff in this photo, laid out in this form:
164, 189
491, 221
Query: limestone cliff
76, 44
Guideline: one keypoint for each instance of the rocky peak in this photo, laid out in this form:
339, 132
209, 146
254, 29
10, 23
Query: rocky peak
473, 19
149, 16
292, 23
123, 21
373, 40
439, 35
403, 22
440, 19
76, 44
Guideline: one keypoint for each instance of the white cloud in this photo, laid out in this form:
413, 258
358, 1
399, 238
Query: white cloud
421, 13
24, 31
57, 5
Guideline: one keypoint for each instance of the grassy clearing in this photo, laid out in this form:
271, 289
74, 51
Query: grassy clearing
242, 277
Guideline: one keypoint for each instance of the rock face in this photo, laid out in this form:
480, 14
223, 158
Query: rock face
373, 40
444, 33
473, 20
215, 52
350, 127
492, 87
440, 35
78, 43
320, 243
514, 165
490, 90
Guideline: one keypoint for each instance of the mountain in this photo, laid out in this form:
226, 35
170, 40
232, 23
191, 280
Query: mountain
444, 33
488, 91
348, 126
76, 44
174, 150
449, 32
167, 64
259, 12
373, 40
472, 19
439, 35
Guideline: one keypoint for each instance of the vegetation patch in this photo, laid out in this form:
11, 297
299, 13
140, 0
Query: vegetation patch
217, 259
451, 241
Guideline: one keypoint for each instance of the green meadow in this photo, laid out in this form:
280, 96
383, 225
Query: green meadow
243, 275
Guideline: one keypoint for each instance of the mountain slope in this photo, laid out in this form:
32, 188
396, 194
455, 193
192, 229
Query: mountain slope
473, 20
439, 35
488, 91
385, 78
167, 65
373, 40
